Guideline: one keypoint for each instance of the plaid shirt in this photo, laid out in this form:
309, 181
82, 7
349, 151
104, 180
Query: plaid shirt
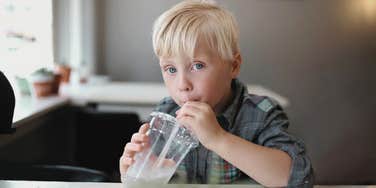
257, 119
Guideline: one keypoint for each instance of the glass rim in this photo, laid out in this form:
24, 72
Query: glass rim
172, 119
165, 116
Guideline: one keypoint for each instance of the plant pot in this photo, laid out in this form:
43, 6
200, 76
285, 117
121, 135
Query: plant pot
56, 83
43, 88
65, 72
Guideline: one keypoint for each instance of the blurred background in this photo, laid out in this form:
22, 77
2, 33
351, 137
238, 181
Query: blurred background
319, 54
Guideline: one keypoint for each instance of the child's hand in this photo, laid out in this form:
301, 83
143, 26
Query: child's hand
201, 120
138, 142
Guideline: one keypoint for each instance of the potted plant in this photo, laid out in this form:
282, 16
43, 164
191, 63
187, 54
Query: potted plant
43, 81
64, 70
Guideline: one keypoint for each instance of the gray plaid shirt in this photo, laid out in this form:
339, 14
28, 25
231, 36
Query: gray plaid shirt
257, 119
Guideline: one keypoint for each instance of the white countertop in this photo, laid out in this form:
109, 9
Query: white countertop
139, 93
29, 107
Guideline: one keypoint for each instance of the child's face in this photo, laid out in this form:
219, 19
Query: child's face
205, 78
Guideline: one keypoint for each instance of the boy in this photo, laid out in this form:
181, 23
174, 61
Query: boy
240, 134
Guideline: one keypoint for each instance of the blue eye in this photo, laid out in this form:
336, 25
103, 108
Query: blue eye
198, 66
171, 70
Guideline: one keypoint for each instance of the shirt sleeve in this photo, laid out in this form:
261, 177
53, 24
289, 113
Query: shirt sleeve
274, 135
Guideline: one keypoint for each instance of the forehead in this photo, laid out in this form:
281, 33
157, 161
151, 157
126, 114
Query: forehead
201, 50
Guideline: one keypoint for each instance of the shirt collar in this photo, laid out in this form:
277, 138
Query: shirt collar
227, 117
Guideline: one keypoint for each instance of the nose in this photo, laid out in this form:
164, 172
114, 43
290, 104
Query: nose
184, 83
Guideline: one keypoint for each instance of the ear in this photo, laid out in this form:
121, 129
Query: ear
235, 65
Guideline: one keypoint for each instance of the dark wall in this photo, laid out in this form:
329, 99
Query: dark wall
320, 54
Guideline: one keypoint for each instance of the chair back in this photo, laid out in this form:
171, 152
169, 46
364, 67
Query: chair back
7, 104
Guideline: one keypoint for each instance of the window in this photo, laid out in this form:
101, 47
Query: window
25, 36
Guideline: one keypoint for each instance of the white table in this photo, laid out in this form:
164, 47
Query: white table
45, 184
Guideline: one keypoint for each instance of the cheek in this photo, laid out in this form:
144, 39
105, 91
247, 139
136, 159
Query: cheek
213, 87
208, 90
168, 83
171, 88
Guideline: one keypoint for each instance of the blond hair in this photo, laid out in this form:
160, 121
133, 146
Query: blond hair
177, 30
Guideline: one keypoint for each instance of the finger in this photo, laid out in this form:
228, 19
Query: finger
197, 104
168, 163
192, 104
188, 110
124, 164
133, 147
127, 161
139, 138
202, 106
186, 121
144, 128
129, 153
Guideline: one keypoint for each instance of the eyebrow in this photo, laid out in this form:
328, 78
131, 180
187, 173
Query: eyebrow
198, 59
